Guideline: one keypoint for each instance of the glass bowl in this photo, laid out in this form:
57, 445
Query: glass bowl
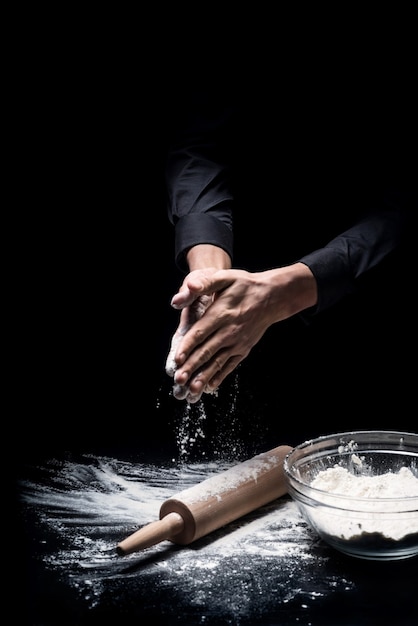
364, 497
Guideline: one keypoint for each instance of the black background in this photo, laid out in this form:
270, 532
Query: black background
98, 274
93, 317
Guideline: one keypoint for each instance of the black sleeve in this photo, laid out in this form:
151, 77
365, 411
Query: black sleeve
339, 265
199, 197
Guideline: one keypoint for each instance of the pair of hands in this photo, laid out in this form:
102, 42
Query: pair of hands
224, 313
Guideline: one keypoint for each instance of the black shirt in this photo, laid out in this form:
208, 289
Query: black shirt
309, 166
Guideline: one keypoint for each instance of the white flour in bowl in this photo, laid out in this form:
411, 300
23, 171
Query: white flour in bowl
339, 481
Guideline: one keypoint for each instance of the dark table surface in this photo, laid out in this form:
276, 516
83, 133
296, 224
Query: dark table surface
265, 568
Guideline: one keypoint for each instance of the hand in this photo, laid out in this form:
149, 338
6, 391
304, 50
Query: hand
193, 306
244, 305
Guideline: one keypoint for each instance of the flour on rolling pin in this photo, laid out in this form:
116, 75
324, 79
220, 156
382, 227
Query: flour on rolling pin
215, 502
230, 479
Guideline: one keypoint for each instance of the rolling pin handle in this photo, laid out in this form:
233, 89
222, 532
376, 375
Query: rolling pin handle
152, 533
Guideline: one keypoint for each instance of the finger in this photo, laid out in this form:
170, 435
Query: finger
192, 398
182, 299
212, 386
188, 317
204, 283
200, 285
180, 392
220, 376
199, 350
170, 364
208, 378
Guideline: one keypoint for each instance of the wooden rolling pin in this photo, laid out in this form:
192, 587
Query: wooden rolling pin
214, 502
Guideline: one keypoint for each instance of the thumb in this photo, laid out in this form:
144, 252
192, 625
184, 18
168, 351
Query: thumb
200, 283
182, 299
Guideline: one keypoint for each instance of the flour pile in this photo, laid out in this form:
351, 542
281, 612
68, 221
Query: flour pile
339, 480
399, 519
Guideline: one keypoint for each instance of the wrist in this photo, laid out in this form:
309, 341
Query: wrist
295, 288
306, 287
205, 255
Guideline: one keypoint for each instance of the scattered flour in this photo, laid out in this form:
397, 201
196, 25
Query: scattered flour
267, 558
